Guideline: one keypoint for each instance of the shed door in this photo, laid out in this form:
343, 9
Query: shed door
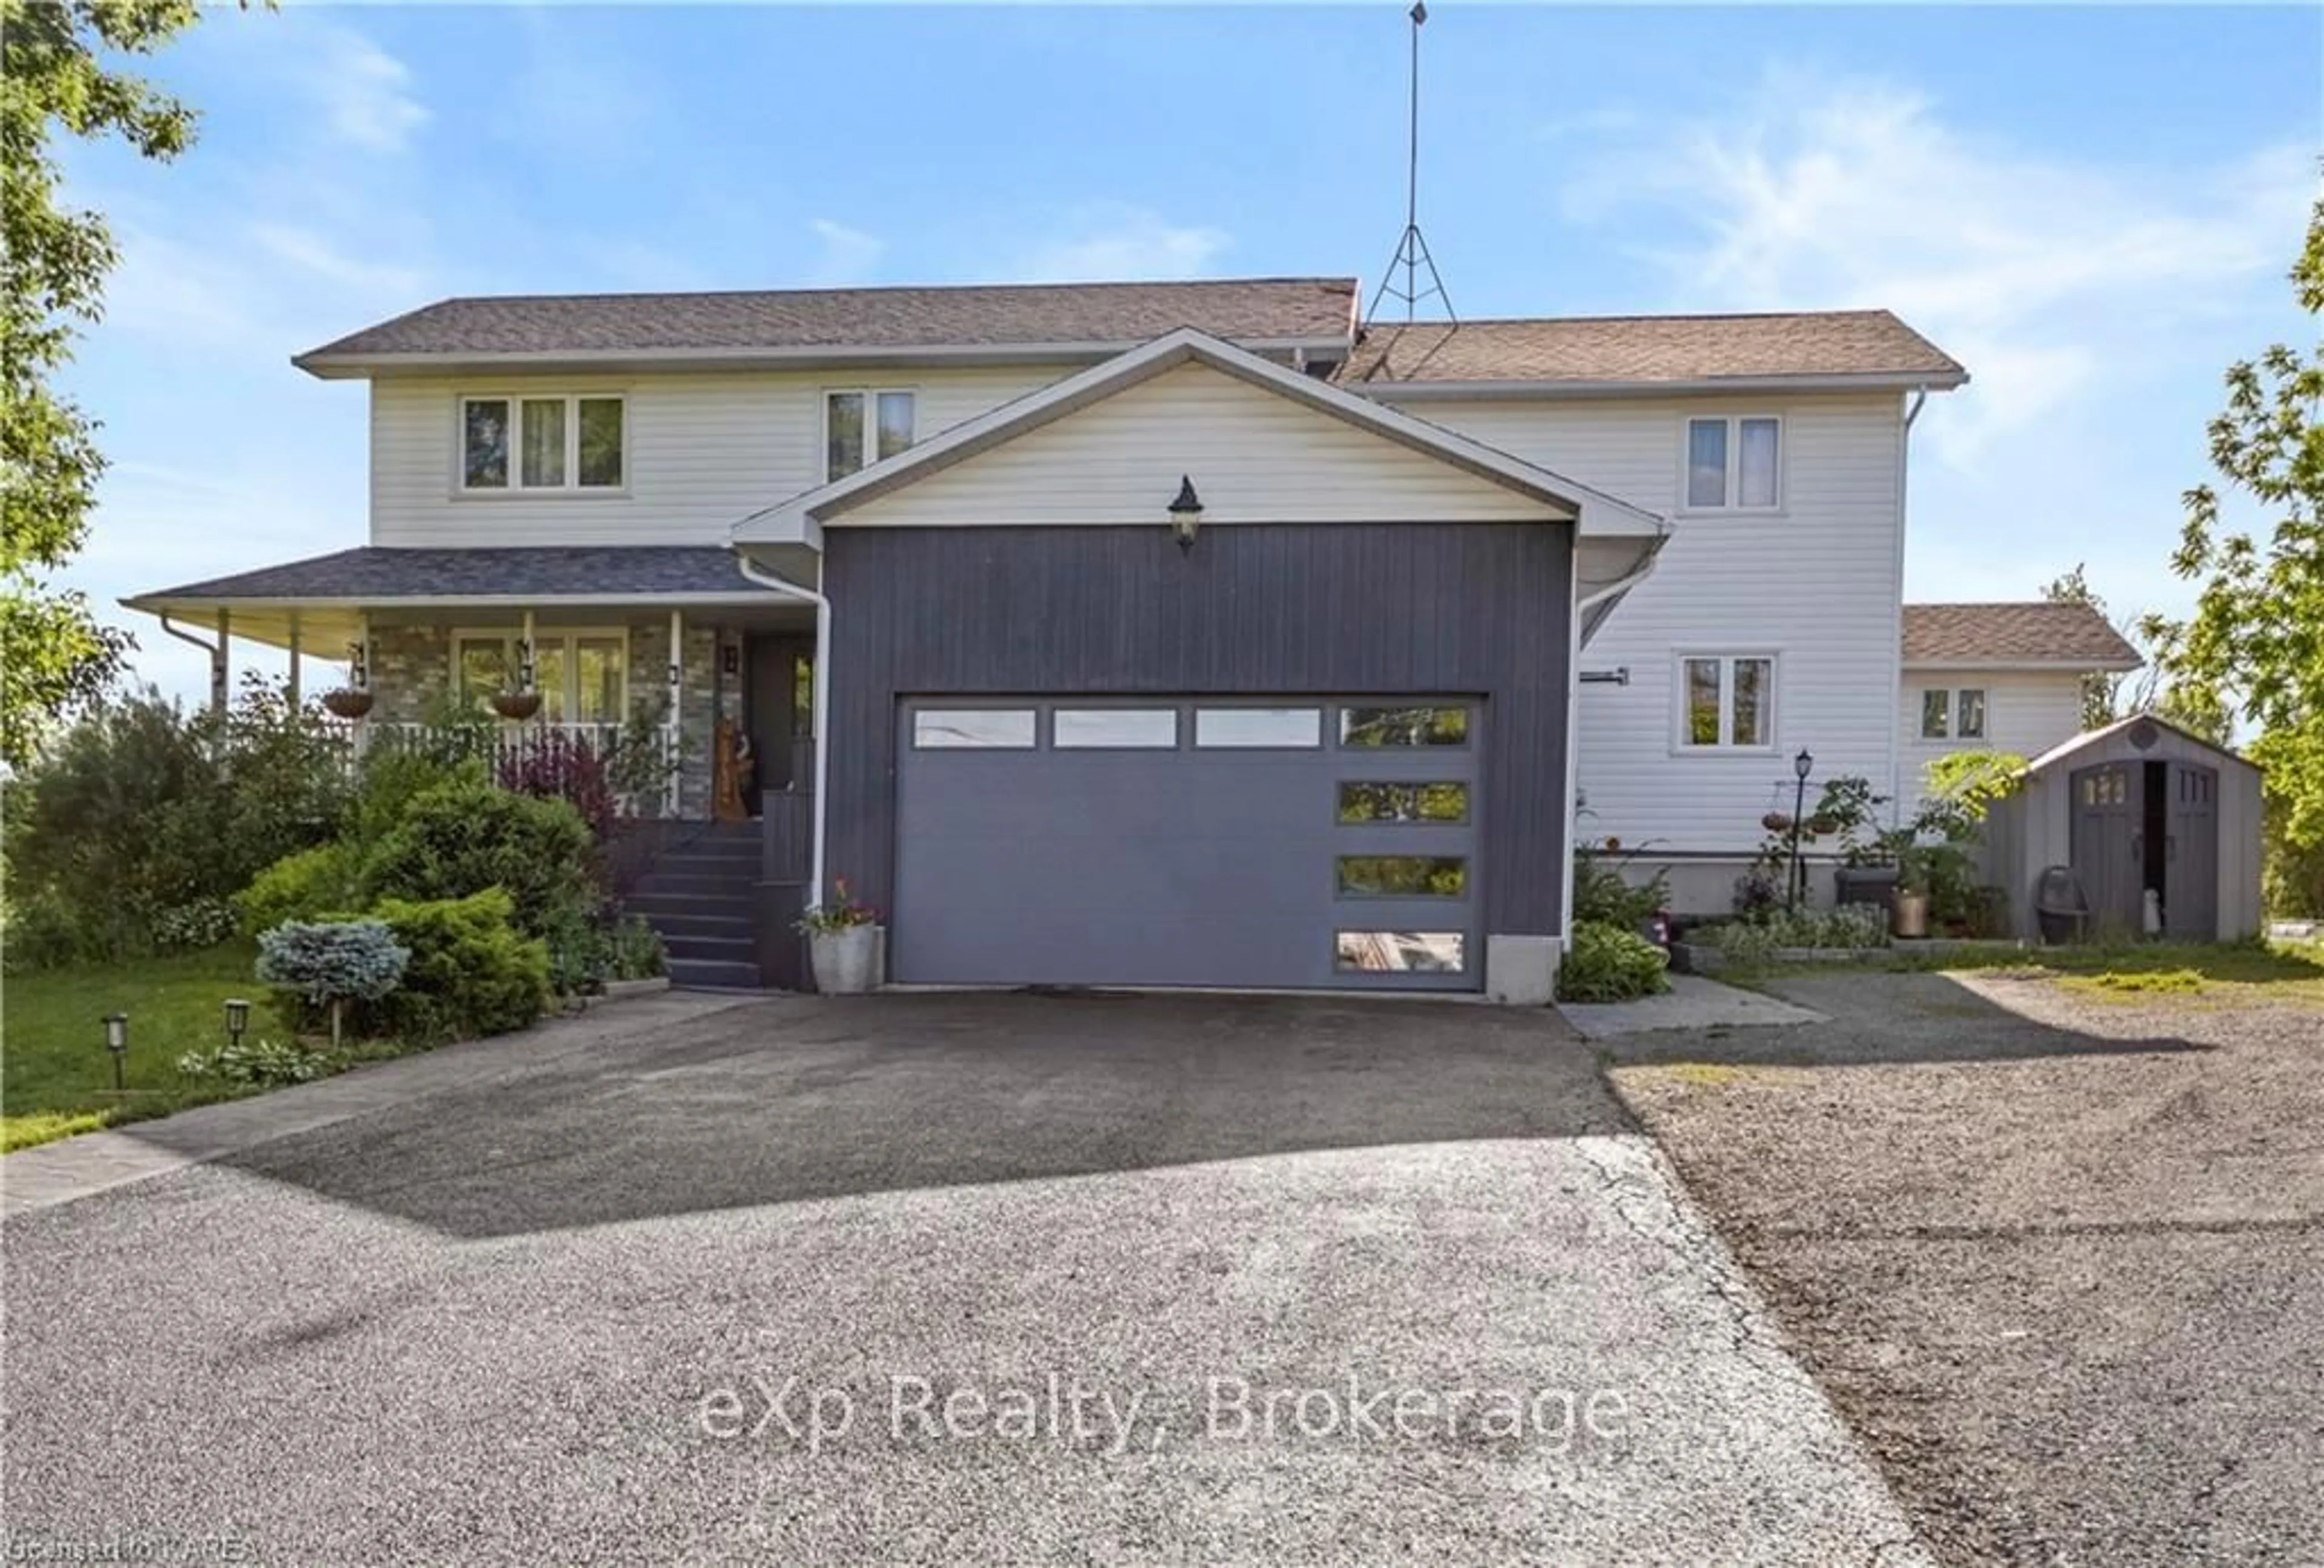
2104, 846
1291, 842
2190, 892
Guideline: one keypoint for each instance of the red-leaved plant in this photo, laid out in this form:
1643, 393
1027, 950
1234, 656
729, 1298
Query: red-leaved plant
556, 765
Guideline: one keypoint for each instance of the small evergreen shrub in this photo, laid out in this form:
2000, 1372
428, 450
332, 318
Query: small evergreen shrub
305, 886
471, 972
1608, 963
455, 839
330, 962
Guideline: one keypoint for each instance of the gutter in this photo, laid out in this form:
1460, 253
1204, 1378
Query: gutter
784, 585
1897, 685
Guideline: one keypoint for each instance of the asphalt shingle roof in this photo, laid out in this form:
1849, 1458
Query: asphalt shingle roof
378, 572
1649, 348
998, 316
2033, 632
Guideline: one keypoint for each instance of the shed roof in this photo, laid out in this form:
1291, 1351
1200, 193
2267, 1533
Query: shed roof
2091, 739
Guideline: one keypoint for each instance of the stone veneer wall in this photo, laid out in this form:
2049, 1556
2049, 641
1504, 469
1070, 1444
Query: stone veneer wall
411, 667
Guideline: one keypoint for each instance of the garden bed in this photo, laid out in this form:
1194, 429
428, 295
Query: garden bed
1707, 958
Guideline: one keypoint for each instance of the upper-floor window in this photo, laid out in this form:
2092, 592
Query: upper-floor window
1727, 701
1734, 464
1955, 715
541, 443
862, 426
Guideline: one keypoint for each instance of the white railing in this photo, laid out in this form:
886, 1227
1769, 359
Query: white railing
507, 746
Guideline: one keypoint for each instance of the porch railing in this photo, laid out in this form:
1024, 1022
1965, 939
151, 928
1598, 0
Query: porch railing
504, 746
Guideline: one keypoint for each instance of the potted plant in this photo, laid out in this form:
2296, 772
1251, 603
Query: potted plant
1911, 903
843, 942
353, 700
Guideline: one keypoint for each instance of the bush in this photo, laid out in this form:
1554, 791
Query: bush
204, 923
558, 766
471, 972
1610, 964
141, 813
332, 960
457, 839
637, 951
1602, 893
263, 1065
305, 886
1849, 925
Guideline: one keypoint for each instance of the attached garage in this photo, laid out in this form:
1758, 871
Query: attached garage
1275, 841
1316, 736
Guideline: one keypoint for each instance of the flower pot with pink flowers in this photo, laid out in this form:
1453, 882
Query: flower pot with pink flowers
843, 942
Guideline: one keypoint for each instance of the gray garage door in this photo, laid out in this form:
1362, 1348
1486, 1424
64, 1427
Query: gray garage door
1267, 842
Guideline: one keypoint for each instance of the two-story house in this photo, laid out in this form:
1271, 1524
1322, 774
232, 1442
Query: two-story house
1170, 633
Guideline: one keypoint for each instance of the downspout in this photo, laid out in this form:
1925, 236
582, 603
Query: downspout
1897, 685
1582, 607
785, 586
216, 650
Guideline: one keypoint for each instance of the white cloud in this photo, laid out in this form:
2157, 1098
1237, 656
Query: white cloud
2038, 271
1112, 241
848, 255
304, 249
365, 93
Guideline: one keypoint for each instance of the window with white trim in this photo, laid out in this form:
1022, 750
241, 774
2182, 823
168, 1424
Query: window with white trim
863, 426
1727, 702
1956, 714
582, 677
544, 443
1734, 463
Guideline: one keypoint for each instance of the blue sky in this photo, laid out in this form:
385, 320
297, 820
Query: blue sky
2092, 208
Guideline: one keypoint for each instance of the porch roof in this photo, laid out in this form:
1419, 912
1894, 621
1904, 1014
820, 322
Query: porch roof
325, 595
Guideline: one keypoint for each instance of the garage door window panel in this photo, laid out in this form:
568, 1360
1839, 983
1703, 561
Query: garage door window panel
1364, 802
1362, 952
1404, 726
1403, 876
974, 729
1115, 729
1300, 729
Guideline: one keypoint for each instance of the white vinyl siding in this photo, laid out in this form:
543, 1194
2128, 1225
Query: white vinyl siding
702, 450
1254, 456
1818, 581
2026, 713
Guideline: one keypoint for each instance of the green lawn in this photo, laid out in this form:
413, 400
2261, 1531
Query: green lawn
55, 1077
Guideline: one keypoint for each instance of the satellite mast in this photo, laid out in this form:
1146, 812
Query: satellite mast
1412, 249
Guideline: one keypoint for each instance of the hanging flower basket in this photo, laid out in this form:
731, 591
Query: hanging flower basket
347, 703
1775, 822
516, 705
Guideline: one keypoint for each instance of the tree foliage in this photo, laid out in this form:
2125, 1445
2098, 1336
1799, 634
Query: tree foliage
2257, 635
2100, 686
53, 260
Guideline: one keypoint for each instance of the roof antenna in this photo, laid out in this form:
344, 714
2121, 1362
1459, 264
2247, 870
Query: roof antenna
1412, 250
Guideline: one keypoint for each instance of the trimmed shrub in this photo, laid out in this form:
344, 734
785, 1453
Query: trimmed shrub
457, 839
328, 963
471, 972
1610, 964
305, 886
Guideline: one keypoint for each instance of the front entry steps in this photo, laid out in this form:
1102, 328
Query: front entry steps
698, 896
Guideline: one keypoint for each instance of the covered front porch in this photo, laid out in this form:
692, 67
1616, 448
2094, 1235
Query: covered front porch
665, 657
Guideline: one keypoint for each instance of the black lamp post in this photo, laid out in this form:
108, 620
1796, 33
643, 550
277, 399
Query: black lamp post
237, 1019
1801, 766
117, 1045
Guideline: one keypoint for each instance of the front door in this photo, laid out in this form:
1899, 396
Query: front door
2190, 887
778, 703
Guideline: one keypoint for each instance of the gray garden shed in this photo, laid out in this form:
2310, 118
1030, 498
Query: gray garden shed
2139, 805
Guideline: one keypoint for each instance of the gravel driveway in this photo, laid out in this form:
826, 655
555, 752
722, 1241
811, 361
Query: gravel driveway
2057, 1256
931, 1279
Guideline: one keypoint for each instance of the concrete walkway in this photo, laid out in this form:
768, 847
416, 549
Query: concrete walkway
1693, 1002
74, 1167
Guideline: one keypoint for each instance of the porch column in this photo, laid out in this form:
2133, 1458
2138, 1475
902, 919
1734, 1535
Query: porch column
220, 665
294, 661
674, 792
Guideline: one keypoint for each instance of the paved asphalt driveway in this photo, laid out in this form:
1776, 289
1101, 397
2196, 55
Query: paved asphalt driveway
800, 1281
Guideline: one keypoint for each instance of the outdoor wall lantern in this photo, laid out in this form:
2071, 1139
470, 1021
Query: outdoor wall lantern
1185, 514
116, 1044
237, 1019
